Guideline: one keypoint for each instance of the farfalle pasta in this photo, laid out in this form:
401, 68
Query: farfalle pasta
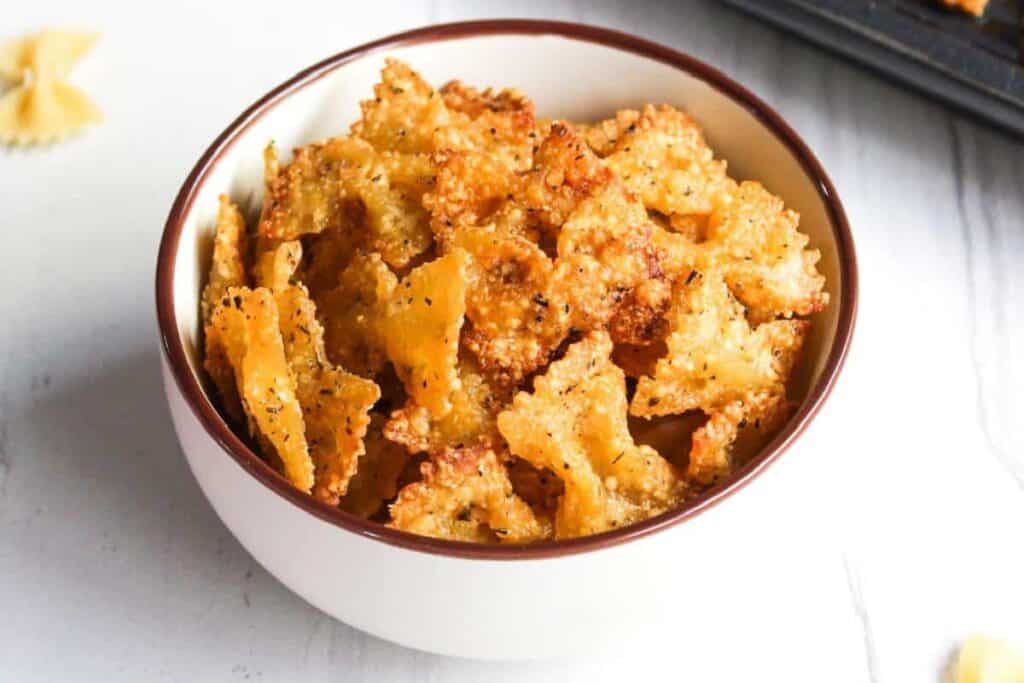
42, 106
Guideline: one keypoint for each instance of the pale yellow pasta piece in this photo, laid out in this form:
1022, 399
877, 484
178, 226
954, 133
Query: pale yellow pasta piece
47, 53
986, 660
43, 107
421, 330
574, 424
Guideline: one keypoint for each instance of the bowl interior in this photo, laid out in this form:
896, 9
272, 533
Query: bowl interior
567, 78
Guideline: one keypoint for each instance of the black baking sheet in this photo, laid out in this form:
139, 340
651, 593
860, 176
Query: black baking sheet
975, 64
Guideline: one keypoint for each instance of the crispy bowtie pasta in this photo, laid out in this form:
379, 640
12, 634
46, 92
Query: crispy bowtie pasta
660, 154
470, 422
246, 327
574, 423
335, 403
380, 468
468, 323
421, 330
753, 240
714, 356
353, 314
466, 495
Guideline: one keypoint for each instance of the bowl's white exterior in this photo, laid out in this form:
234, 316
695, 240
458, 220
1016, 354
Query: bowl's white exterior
494, 608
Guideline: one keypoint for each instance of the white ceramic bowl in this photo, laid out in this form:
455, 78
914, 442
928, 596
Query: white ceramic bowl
462, 599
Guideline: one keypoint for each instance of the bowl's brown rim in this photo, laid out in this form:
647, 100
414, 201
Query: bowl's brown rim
215, 425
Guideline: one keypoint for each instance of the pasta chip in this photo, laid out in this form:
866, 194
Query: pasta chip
353, 315
466, 495
502, 123
754, 241
607, 257
404, 114
43, 107
227, 266
305, 196
245, 329
274, 267
421, 330
661, 155
345, 186
377, 478
407, 115
473, 190
227, 269
714, 356
574, 424
470, 422
564, 173
335, 403
518, 312
735, 429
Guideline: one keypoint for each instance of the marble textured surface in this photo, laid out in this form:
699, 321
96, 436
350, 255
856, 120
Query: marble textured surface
905, 500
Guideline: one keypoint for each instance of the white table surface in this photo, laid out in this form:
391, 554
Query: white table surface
905, 500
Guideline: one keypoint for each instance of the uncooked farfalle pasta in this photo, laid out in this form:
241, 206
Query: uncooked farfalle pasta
42, 107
